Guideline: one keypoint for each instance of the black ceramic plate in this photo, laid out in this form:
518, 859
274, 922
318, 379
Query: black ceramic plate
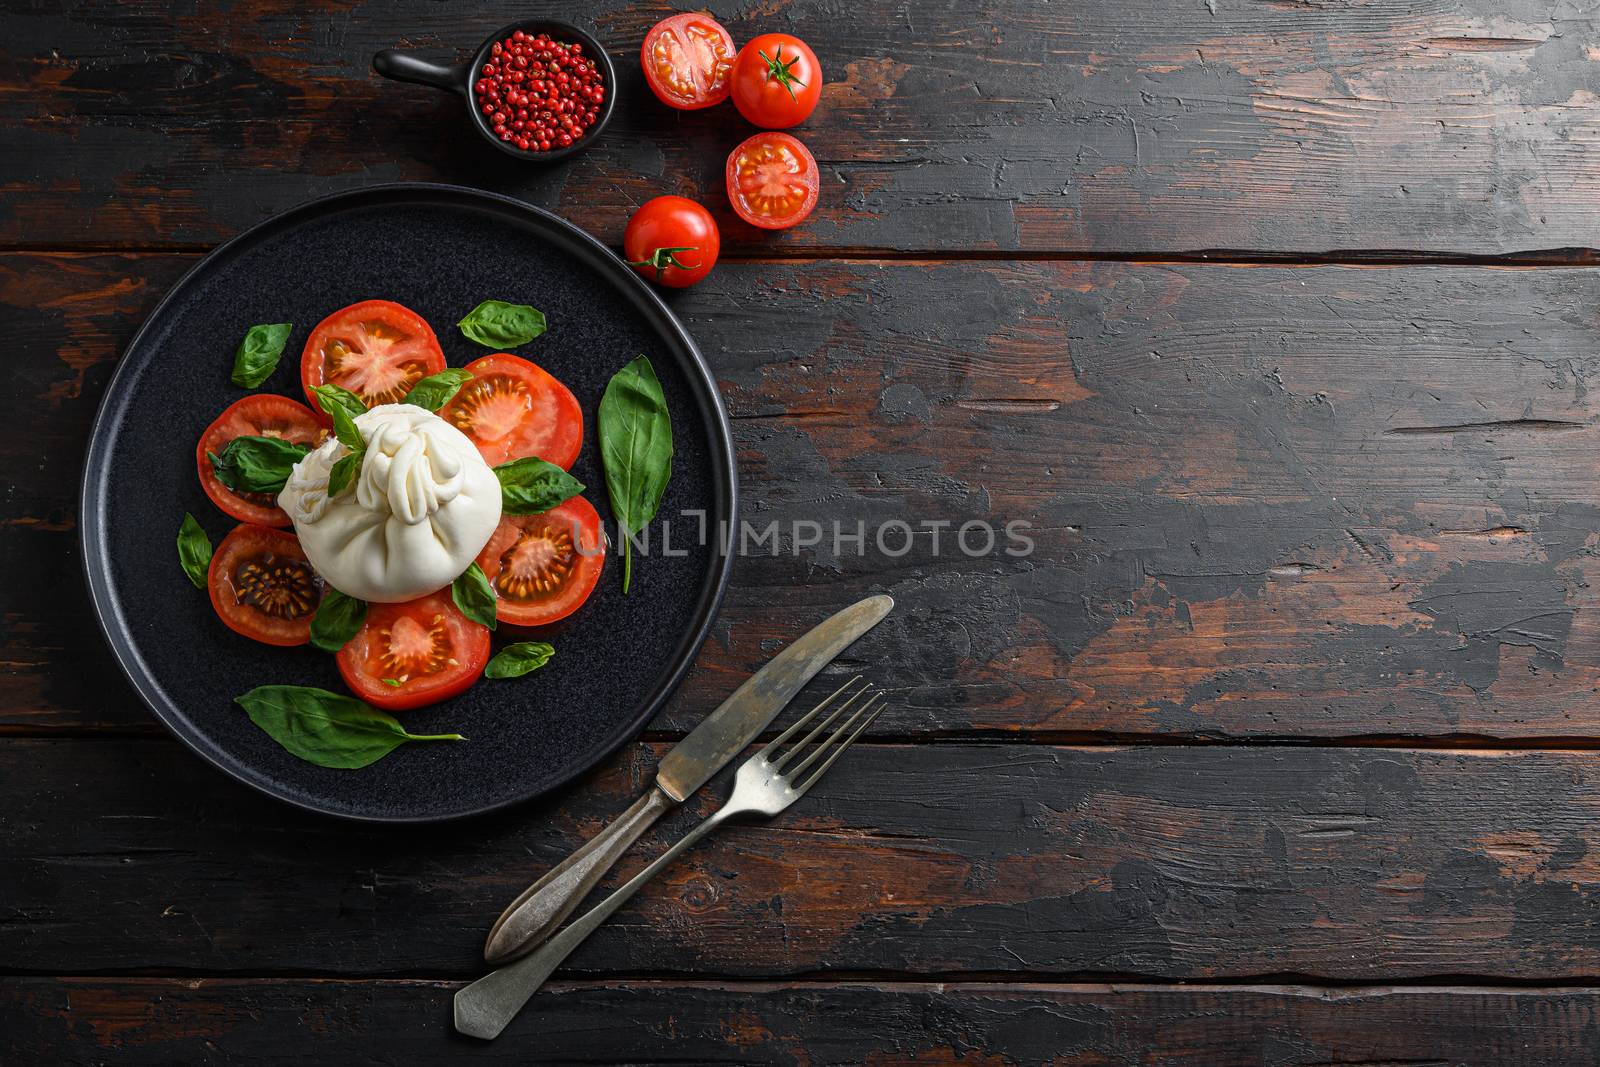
439, 250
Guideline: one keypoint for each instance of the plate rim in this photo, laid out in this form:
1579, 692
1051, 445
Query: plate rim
96, 561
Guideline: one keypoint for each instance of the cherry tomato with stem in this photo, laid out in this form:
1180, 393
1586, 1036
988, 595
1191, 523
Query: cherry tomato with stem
776, 81
672, 240
772, 181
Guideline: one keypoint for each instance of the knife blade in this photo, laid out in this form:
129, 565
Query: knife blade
739, 719
692, 761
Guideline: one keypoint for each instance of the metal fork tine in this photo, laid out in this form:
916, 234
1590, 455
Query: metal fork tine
807, 717
796, 748
877, 702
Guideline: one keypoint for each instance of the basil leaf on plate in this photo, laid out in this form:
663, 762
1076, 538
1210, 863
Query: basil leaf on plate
341, 473
514, 661
636, 448
530, 485
436, 390
497, 324
257, 464
257, 355
194, 550
328, 729
337, 619
328, 394
474, 595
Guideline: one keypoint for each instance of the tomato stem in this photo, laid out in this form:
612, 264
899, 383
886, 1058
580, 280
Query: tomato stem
662, 258
779, 71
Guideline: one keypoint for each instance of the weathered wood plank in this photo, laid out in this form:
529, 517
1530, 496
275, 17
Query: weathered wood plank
276, 1021
1457, 127
1266, 502
939, 860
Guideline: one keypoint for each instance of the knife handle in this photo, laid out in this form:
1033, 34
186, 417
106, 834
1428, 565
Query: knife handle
545, 904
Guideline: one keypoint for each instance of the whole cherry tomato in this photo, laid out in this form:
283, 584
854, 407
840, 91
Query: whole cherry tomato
776, 81
672, 240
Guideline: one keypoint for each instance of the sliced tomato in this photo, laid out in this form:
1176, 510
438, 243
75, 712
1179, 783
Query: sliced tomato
263, 586
687, 59
377, 349
416, 653
257, 415
512, 408
543, 567
772, 181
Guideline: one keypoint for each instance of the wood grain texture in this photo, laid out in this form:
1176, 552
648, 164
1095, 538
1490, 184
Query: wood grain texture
1265, 502
127, 855
1462, 127
135, 1022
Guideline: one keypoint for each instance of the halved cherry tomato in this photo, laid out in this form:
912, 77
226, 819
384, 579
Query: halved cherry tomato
772, 181
687, 59
776, 81
263, 587
512, 408
672, 241
543, 567
426, 649
257, 415
377, 349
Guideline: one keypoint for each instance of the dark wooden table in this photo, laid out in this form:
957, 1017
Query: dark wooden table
1276, 318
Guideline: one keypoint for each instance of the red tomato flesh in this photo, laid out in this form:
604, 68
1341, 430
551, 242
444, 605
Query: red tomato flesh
687, 60
426, 649
772, 181
543, 567
257, 415
263, 587
513, 408
377, 349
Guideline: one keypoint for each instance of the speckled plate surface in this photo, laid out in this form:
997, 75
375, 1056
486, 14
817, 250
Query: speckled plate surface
439, 250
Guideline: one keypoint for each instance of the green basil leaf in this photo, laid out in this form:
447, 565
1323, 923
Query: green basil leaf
497, 324
530, 485
257, 464
328, 729
514, 661
344, 424
474, 596
435, 391
341, 473
331, 394
257, 355
194, 550
337, 619
636, 448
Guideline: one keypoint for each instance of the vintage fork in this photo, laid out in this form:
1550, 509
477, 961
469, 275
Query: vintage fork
761, 787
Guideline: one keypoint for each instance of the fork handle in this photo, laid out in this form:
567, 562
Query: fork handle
484, 1008
545, 904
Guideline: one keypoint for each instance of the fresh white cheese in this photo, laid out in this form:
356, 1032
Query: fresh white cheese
423, 506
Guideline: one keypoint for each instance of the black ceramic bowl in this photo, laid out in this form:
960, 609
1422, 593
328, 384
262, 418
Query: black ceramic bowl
461, 77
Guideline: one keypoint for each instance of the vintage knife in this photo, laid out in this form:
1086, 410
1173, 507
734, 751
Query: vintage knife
708, 748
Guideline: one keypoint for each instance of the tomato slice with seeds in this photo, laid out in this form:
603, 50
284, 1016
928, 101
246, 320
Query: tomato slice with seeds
543, 567
687, 59
513, 408
377, 349
263, 587
426, 649
257, 415
772, 181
